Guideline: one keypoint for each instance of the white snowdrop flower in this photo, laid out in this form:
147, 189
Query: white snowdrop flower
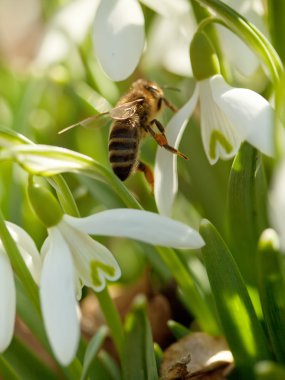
228, 116
73, 259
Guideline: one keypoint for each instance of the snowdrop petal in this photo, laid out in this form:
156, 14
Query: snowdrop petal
27, 249
219, 136
165, 170
239, 55
83, 11
251, 115
140, 225
168, 44
277, 203
58, 299
93, 261
119, 37
7, 302
68, 27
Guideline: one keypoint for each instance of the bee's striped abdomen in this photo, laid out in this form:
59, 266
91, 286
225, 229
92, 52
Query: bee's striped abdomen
123, 148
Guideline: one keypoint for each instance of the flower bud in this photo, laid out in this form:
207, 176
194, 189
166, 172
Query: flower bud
204, 60
44, 204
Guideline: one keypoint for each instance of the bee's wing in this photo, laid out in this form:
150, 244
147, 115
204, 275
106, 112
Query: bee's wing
125, 111
98, 120
122, 112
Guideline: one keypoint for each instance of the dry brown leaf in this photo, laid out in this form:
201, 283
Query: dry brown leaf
197, 356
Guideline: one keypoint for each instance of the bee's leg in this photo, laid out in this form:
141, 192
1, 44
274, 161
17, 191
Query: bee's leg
146, 170
161, 139
169, 105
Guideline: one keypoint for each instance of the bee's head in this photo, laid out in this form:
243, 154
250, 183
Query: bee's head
150, 89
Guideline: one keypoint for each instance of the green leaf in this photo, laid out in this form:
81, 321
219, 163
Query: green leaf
110, 365
9, 138
29, 315
246, 215
104, 368
158, 354
138, 356
267, 370
25, 363
237, 316
178, 330
48, 160
276, 16
272, 289
112, 318
193, 297
92, 350
7, 371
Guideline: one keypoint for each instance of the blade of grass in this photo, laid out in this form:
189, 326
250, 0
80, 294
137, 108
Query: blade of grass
178, 330
138, 358
92, 350
246, 220
237, 316
25, 363
272, 289
269, 371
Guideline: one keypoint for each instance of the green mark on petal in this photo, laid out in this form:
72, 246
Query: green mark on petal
218, 137
95, 266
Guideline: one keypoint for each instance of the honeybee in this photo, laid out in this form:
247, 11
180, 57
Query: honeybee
134, 117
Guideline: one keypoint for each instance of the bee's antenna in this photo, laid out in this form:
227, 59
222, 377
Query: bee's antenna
68, 128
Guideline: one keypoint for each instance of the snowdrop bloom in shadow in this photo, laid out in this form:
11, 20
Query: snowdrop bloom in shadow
239, 56
277, 203
31, 257
72, 259
65, 31
228, 117
169, 36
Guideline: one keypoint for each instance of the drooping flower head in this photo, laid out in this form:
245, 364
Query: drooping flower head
228, 116
71, 259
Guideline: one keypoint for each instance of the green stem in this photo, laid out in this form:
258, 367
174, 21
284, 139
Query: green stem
112, 318
89, 75
195, 302
19, 264
115, 184
64, 195
249, 33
